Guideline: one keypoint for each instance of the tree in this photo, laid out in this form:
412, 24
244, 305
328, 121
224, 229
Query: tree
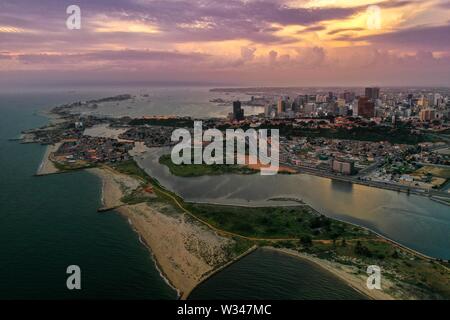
362, 250
334, 236
306, 241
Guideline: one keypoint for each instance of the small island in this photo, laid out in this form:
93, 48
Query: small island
197, 170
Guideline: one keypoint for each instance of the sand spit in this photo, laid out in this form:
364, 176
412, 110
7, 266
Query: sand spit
47, 166
184, 250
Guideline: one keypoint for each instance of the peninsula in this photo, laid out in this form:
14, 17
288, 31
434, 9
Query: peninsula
191, 241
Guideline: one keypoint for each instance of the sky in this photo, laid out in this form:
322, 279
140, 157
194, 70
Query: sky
227, 42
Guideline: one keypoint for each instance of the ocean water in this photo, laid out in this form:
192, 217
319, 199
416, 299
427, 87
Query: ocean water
296, 279
170, 101
49, 223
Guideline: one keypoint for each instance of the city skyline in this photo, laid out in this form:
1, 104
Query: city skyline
279, 43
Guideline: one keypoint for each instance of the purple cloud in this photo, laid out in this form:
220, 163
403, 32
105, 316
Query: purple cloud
429, 38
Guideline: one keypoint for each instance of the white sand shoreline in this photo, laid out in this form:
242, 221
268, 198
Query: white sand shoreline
47, 166
154, 259
183, 251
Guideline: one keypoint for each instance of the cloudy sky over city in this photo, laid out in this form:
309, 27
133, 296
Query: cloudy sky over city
241, 42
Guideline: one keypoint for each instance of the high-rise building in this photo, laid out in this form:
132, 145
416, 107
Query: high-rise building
427, 115
238, 112
330, 96
309, 109
423, 102
270, 111
281, 106
349, 96
372, 93
366, 108
300, 101
340, 102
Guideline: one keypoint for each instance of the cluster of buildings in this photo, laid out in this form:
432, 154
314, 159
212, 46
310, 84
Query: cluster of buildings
372, 104
431, 153
330, 104
345, 157
152, 136
303, 117
93, 150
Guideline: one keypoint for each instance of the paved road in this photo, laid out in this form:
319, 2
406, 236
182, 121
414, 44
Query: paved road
381, 185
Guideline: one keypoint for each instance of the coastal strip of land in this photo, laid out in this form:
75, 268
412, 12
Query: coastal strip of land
166, 232
185, 251
350, 275
190, 242
47, 166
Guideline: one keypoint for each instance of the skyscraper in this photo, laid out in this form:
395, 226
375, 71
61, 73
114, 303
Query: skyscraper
372, 93
366, 108
427, 115
349, 96
281, 106
238, 112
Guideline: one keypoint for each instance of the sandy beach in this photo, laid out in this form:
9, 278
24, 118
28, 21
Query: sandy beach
47, 166
114, 186
184, 250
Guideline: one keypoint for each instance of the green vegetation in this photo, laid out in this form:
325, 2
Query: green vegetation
196, 170
269, 222
137, 196
399, 168
131, 168
412, 276
399, 135
73, 166
239, 247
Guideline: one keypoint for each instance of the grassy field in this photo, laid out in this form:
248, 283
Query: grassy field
413, 276
73, 166
197, 170
275, 222
131, 168
435, 171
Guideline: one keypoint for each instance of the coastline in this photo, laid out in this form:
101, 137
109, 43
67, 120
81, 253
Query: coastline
159, 234
47, 166
183, 250
346, 273
164, 236
186, 253
216, 271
